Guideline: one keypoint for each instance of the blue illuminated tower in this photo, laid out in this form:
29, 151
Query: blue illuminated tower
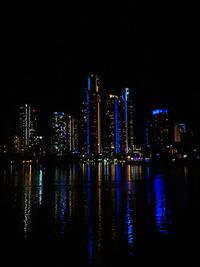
91, 113
127, 131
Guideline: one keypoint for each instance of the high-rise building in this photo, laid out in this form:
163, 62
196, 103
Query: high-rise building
91, 111
83, 147
58, 133
27, 127
179, 130
149, 134
112, 125
24, 124
127, 131
17, 145
72, 134
160, 122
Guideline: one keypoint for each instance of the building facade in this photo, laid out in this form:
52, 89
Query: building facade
112, 125
58, 133
160, 123
27, 129
127, 124
72, 134
179, 130
91, 117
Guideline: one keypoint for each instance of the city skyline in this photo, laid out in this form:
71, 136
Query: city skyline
156, 54
141, 113
99, 133
105, 127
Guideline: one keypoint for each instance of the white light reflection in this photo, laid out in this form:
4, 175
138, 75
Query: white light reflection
27, 198
90, 225
60, 200
40, 185
129, 211
99, 193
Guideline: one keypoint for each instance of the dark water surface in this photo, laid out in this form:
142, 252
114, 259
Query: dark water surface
99, 214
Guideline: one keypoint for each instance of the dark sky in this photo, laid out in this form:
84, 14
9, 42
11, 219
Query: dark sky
47, 52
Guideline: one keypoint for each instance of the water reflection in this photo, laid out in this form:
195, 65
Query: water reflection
97, 209
32, 188
60, 199
89, 213
40, 185
130, 207
148, 178
27, 170
185, 171
118, 192
162, 214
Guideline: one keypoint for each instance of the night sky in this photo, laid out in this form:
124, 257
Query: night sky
46, 55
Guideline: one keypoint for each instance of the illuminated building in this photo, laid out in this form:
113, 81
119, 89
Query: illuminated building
24, 125
27, 128
17, 148
38, 147
58, 133
3, 149
112, 121
72, 134
160, 124
92, 116
127, 132
83, 127
149, 134
179, 130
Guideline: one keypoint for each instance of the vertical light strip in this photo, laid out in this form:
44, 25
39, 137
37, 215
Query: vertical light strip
88, 118
147, 135
126, 117
98, 118
116, 127
29, 123
99, 128
70, 133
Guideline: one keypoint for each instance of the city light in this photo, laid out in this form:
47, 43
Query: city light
158, 111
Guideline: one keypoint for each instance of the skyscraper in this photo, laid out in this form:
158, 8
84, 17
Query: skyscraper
27, 127
161, 135
179, 130
72, 134
149, 134
112, 125
92, 116
83, 142
127, 131
58, 133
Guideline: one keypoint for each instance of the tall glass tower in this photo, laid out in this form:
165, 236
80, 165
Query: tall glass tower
27, 127
58, 133
72, 134
161, 135
92, 116
127, 132
112, 125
